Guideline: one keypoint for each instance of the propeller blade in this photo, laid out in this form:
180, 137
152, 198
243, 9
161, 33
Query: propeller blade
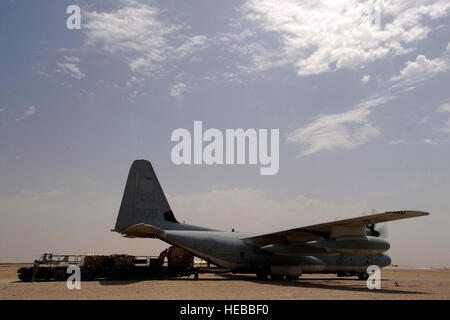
377, 230
371, 231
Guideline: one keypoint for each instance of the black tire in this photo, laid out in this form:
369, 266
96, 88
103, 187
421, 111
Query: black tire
292, 277
59, 275
261, 276
113, 275
276, 277
25, 274
86, 275
24, 277
363, 276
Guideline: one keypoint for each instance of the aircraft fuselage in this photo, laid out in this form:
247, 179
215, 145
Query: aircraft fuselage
228, 250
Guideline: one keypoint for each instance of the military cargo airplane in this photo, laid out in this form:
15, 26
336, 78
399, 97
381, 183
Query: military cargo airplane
344, 247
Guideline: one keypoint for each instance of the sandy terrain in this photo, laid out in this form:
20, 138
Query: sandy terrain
412, 284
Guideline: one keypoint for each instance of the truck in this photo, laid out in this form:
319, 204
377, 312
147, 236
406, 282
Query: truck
171, 263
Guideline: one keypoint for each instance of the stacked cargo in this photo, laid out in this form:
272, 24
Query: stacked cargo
123, 260
178, 257
94, 260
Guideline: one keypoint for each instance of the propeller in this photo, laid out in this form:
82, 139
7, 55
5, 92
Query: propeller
377, 230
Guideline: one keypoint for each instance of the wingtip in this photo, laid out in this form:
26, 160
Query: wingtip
419, 213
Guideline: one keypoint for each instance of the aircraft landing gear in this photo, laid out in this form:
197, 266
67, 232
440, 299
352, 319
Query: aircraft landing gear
261, 276
363, 276
281, 277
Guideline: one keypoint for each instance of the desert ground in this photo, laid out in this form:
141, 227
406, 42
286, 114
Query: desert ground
397, 283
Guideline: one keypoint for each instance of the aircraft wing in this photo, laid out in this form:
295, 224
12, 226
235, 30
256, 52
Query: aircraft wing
346, 227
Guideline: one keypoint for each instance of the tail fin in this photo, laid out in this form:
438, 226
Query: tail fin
144, 200
145, 204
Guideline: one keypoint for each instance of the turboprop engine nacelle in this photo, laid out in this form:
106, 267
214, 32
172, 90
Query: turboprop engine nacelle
287, 249
366, 245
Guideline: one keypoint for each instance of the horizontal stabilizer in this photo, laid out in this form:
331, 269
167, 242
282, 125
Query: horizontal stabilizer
142, 230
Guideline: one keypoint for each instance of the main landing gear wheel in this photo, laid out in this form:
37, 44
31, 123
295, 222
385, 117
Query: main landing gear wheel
261, 276
363, 276
86, 275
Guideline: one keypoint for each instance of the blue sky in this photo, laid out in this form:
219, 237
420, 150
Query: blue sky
363, 113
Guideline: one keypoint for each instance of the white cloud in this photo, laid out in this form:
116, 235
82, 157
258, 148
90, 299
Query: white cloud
134, 80
395, 142
72, 59
424, 120
365, 78
420, 70
345, 130
178, 89
446, 127
429, 141
138, 32
444, 107
318, 37
70, 67
29, 112
225, 77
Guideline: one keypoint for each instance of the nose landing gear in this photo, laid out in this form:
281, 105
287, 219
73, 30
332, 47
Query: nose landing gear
261, 275
363, 276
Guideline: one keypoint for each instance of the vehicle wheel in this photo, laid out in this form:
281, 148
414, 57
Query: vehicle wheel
363, 276
86, 275
24, 277
292, 277
261, 276
59, 275
113, 274
276, 277
24, 274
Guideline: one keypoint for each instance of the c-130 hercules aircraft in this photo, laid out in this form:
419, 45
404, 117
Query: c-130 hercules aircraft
344, 247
